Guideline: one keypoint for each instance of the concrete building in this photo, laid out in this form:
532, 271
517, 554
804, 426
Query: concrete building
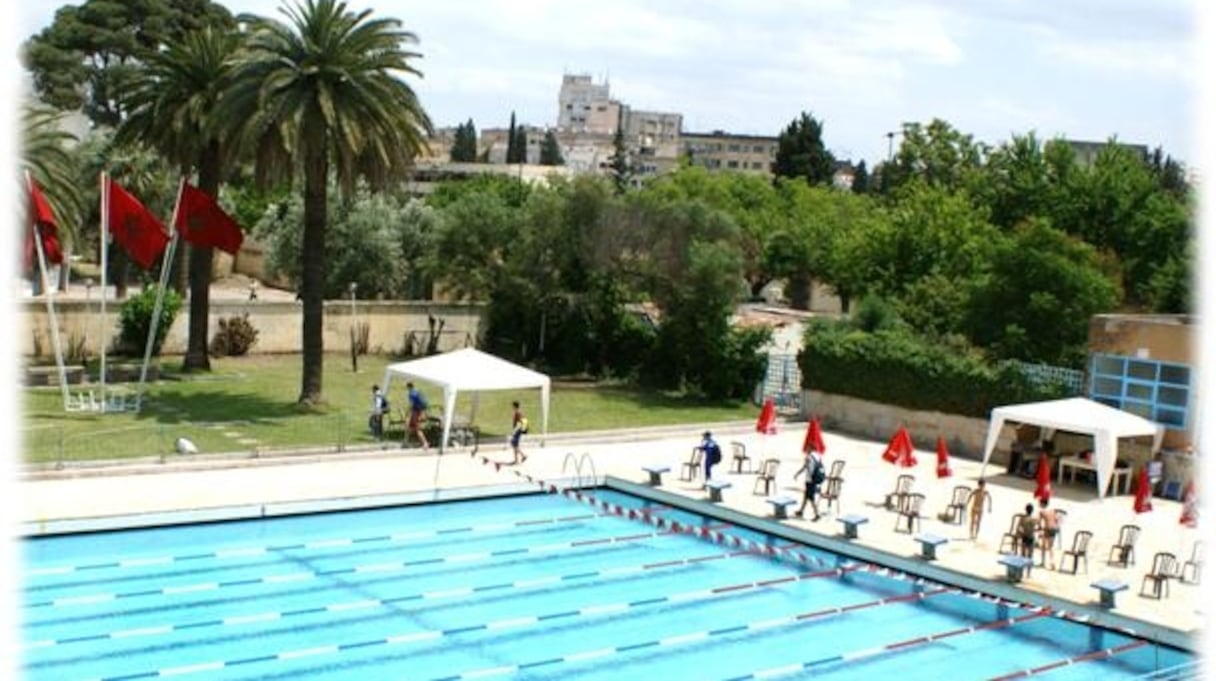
720, 150
586, 107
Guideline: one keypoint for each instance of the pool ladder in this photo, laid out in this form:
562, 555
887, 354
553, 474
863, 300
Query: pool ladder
578, 463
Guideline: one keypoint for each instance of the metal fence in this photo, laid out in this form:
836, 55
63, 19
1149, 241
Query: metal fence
54, 446
1042, 375
783, 382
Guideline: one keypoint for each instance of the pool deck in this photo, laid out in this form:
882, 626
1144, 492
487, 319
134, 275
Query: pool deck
187, 485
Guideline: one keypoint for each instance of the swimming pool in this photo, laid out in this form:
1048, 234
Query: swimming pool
530, 586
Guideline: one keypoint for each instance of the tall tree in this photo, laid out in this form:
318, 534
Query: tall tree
464, 145
521, 144
937, 153
550, 151
92, 52
512, 149
322, 92
173, 109
801, 152
620, 167
861, 179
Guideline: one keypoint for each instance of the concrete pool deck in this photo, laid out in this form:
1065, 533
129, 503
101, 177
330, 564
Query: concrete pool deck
181, 485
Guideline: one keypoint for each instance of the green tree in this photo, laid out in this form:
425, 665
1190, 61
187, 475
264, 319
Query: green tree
1036, 303
323, 92
93, 52
173, 109
619, 164
937, 154
464, 144
521, 144
802, 153
512, 142
861, 179
551, 151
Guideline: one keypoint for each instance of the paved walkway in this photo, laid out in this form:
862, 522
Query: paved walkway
182, 485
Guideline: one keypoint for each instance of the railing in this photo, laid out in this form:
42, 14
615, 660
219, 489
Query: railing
578, 463
55, 446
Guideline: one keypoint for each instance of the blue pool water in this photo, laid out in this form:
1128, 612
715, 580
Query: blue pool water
534, 586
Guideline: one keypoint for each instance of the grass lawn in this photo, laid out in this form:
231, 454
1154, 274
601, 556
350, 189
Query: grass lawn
249, 402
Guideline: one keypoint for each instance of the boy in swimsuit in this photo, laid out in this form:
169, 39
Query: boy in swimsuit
1051, 527
976, 502
1028, 529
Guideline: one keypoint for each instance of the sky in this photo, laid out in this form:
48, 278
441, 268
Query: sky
1082, 69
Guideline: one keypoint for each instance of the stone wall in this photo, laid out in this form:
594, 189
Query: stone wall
278, 324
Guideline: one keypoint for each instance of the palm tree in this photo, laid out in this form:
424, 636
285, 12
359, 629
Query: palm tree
46, 157
173, 109
322, 92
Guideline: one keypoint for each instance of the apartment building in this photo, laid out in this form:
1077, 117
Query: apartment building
720, 150
586, 107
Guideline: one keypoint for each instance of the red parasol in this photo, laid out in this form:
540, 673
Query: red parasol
767, 423
943, 459
899, 450
1190, 506
814, 438
1043, 489
1144, 493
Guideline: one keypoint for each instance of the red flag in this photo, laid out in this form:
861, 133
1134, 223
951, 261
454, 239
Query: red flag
134, 227
899, 450
202, 222
814, 438
1144, 493
1190, 510
767, 423
43, 218
1042, 489
943, 458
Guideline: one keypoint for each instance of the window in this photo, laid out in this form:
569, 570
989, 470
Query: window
732, 164
756, 165
758, 149
733, 147
1159, 391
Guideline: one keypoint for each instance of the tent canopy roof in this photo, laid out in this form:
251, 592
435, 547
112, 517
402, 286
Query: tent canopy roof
1078, 415
469, 369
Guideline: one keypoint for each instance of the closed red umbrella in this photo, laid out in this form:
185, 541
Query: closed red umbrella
1144, 493
767, 423
899, 450
943, 459
814, 438
1190, 506
1043, 489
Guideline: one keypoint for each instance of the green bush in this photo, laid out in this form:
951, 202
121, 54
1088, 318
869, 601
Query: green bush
897, 367
135, 320
234, 337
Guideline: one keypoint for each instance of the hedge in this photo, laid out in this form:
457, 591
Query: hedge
898, 368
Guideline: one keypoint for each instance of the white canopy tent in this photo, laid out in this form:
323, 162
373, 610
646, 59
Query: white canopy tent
1078, 415
470, 369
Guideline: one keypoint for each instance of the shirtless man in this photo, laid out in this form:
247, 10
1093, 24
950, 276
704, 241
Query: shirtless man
976, 501
1050, 523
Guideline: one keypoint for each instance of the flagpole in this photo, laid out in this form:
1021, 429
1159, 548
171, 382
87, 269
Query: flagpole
48, 294
105, 235
160, 297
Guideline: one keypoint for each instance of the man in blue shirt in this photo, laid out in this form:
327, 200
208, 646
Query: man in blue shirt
712, 453
418, 407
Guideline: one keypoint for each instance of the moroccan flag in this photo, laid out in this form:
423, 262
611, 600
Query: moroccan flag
43, 217
133, 226
202, 222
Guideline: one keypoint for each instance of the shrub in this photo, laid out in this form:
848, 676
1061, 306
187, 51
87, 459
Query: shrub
900, 368
234, 337
135, 320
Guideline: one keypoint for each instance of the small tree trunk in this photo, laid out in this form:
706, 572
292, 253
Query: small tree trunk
196, 358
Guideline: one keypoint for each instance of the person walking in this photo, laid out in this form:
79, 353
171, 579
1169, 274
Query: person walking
1049, 521
519, 426
979, 496
812, 466
417, 422
375, 421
